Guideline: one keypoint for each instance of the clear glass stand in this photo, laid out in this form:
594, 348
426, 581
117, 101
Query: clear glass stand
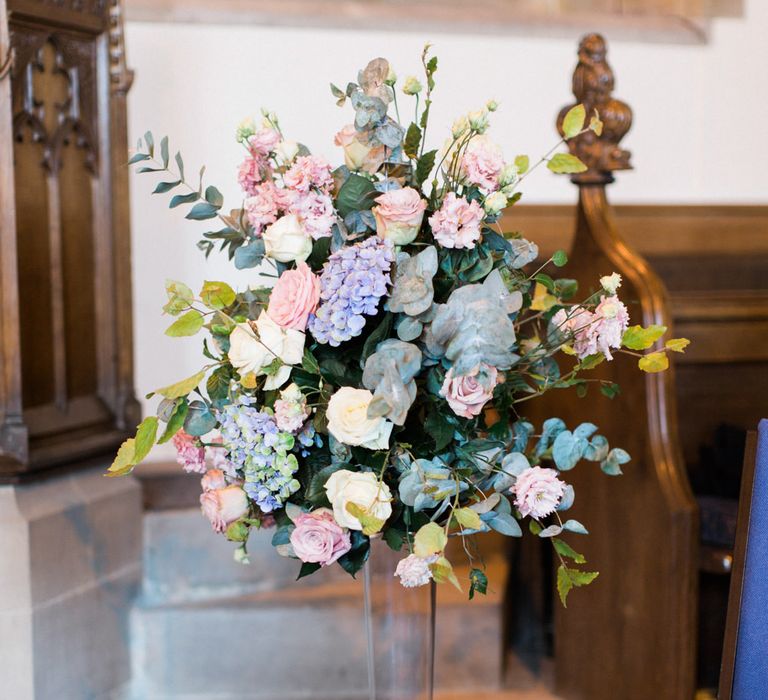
400, 630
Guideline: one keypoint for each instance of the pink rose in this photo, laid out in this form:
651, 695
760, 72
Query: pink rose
482, 162
318, 538
224, 506
294, 297
188, 454
468, 394
399, 214
264, 141
537, 492
213, 480
316, 213
597, 332
309, 171
457, 223
358, 154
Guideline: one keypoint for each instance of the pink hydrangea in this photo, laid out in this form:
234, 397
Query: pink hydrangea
309, 171
188, 454
265, 204
457, 223
316, 213
318, 538
594, 332
468, 394
294, 297
482, 162
537, 492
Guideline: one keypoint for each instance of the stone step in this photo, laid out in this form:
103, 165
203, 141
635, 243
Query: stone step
299, 641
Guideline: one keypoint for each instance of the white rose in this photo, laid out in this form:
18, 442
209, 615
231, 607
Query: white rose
362, 489
494, 202
349, 423
252, 350
287, 150
286, 240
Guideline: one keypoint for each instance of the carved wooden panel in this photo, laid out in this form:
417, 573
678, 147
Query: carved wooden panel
68, 144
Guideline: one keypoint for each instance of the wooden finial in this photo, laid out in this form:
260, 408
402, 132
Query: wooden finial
593, 87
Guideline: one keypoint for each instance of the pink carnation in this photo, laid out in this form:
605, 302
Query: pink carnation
468, 394
253, 170
537, 492
188, 454
482, 162
597, 332
264, 141
318, 538
265, 204
224, 506
309, 171
316, 213
457, 223
294, 297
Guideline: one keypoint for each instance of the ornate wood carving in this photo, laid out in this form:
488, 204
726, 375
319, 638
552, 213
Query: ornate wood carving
639, 617
67, 142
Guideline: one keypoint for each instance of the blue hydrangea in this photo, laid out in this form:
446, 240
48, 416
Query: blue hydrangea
353, 281
257, 448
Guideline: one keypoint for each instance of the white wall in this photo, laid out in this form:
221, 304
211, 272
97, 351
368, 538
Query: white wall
699, 135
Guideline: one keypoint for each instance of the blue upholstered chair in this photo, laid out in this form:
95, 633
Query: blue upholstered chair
744, 674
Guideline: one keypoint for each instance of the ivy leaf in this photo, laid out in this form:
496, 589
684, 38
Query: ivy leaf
574, 120
569, 578
412, 141
188, 324
217, 295
430, 539
182, 388
468, 518
610, 390
522, 163
639, 338
146, 434
565, 163
677, 344
478, 583
424, 167
565, 550
654, 362
175, 421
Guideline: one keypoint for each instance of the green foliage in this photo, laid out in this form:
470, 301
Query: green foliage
188, 324
175, 421
677, 344
424, 167
468, 518
573, 122
371, 525
565, 163
180, 297
357, 193
442, 572
639, 338
568, 579
478, 583
412, 141
134, 450
182, 388
560, 258
430, 539
217, 295
522, 163
565, 550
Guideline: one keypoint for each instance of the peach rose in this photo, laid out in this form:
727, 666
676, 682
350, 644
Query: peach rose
359, 155
399, 214
224, 506
294, 297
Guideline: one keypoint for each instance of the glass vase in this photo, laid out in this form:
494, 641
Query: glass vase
400, 629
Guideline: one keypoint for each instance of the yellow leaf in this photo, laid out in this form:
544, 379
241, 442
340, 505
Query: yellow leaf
430, 539
182, 388
542, 299
248, 381
468, 518
639, 338
654, 362
573, 122
442, 571
595, 124
124, 460
371, 525
677, 344
568, 350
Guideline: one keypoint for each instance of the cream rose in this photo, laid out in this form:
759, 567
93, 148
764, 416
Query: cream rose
223, 506
362, 489
286, 240
349, 423
357, 154
287, 150
252, 348
399, 214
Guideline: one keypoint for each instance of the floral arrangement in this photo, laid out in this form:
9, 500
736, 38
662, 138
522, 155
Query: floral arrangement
375, 388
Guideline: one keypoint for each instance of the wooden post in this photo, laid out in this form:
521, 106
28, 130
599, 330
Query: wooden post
630, 635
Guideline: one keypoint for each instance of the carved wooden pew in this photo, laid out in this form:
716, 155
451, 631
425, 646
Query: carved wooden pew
632, 634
